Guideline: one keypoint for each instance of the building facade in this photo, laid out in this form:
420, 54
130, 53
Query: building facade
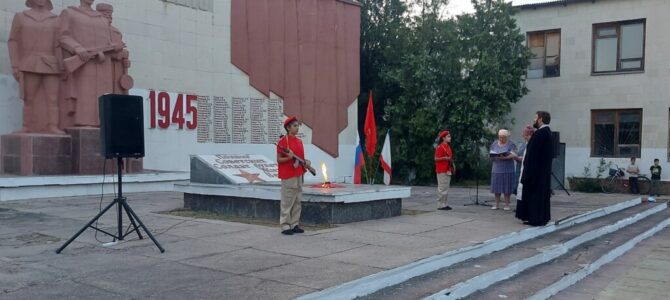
601, 68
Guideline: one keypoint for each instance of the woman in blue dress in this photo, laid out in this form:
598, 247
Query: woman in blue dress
503, 154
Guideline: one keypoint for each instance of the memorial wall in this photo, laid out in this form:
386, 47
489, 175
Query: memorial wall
196, 100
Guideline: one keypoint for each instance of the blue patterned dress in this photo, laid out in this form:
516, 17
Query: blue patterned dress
502, 171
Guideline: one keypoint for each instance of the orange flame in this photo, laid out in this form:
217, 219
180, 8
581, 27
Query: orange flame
324, 172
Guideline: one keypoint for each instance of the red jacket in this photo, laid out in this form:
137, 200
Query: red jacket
443, 166
287, 169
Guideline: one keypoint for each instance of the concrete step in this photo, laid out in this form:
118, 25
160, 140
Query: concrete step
388, 279
548, 279
468, 276
40, 187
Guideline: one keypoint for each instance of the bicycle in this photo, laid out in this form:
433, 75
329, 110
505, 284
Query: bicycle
616, 183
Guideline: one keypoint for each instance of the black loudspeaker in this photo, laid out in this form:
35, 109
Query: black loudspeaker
556, 141
121, 126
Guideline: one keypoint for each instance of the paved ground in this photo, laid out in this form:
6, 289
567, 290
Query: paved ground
217, 259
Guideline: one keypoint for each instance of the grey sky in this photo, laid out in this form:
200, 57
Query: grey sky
457, 7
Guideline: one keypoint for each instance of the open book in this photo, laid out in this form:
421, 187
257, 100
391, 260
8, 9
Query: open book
498, 154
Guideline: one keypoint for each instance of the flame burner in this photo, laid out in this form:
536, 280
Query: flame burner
326, 185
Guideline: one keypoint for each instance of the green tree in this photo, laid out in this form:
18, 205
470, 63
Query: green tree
427, 69
429, 72
493, 60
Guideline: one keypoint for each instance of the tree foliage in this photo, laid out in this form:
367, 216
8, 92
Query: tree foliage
429, 72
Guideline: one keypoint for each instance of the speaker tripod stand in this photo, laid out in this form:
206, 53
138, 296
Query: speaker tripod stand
122, 205
477, 203
559, 183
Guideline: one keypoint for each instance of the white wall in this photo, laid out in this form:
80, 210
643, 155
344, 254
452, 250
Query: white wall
571, 97
176, 49
169, 148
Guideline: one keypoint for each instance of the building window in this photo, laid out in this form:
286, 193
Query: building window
618, 47
616, 133
545, 47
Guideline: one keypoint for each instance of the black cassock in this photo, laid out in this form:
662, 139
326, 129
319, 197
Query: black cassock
536, 179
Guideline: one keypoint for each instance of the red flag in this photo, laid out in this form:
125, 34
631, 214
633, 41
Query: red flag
370, 129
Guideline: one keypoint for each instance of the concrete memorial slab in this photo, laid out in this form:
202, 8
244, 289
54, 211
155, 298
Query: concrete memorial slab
351, 203
233, 169
247, 185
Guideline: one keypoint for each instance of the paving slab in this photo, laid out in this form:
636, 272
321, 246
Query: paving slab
441, 218
384, 239
15, 276
185, 249
316, 273
152, 279
198, 229
377, 256
396, 227
243, 261
237, 287
306, 246
63, 289
248, 238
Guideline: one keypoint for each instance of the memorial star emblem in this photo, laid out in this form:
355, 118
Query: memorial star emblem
251, 177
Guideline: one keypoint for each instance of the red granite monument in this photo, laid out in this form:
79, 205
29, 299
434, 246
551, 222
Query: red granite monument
63, 64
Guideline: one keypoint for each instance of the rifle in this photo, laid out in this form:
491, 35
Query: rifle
298, 160
73, 63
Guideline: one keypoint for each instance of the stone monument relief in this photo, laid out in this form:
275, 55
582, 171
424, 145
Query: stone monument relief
62, 64
34, 54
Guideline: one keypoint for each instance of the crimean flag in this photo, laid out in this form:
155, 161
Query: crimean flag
370, 129
385, 159
359, 160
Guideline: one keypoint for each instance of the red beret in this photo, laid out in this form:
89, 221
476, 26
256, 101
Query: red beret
444, 133
289, 120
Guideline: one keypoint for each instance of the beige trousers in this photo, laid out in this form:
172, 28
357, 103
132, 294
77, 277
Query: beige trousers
291, 196
443, 181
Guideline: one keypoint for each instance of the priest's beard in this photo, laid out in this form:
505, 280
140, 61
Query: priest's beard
536, 125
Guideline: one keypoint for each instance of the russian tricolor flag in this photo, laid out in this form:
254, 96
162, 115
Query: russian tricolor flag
360, 161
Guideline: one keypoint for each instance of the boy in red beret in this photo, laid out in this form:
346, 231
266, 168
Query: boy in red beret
291, 174
444, 167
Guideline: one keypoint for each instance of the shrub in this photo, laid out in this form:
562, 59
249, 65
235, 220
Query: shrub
585, 185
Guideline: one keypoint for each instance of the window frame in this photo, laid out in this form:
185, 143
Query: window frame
617, 25
544, 62
616, 112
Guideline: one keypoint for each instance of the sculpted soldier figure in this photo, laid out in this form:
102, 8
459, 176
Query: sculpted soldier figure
120, 62
34, 55
86, 40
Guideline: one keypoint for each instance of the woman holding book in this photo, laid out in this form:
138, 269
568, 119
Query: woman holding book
502, 153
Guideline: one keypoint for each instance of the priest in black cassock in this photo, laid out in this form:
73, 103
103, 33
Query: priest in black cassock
534, 208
